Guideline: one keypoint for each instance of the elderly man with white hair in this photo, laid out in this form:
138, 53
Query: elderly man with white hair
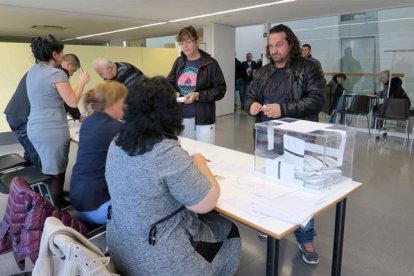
122, 72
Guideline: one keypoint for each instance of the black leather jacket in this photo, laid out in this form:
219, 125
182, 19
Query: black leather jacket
211, 86
305, 90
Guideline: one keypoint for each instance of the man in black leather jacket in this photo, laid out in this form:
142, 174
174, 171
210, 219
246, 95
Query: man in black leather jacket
289, 86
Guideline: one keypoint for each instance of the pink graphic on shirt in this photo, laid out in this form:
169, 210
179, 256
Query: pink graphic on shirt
187, 80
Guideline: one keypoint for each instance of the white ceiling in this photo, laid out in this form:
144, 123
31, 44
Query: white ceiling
83, 17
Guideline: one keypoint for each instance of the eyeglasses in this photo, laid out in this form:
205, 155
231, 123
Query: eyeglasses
187, 42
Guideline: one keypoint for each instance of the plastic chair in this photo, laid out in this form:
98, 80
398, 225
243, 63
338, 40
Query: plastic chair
395, 110
360, 105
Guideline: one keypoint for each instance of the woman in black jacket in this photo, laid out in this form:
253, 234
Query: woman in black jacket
338, 99
199, 83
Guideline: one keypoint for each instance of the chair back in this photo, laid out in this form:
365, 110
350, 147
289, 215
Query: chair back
359, 105
11, 160
327, 107
395, 109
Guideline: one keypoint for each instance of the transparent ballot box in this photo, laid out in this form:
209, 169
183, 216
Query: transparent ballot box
305, 153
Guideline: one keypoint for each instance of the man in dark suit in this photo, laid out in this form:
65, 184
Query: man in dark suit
248, 68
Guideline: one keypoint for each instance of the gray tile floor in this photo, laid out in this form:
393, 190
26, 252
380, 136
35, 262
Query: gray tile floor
379, 217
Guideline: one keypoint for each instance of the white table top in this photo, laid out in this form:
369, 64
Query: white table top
269, 225
74, 127
272, 226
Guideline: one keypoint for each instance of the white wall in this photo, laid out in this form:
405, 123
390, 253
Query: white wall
222, 41
249, 40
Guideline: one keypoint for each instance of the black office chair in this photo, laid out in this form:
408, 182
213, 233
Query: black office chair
328, 100
12, 165
12, 161
360, 105
395, 110
411, 114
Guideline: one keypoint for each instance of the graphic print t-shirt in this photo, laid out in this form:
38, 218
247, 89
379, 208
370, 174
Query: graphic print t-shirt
187, 83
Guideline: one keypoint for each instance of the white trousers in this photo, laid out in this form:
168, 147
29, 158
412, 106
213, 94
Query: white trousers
203, 133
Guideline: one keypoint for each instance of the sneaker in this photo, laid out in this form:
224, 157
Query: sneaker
309, 254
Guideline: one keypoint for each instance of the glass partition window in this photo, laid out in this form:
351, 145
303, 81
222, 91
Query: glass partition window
362, 45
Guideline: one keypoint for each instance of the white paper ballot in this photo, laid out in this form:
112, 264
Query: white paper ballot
270, 138
279, 169
303, 126
294, 151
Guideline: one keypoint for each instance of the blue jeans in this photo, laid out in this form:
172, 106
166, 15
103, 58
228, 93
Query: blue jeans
244, 89
19, 129
340, 105
305, 233
237, 89
97, 216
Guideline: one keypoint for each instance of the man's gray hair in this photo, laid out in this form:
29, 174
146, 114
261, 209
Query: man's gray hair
386, 72
102, 62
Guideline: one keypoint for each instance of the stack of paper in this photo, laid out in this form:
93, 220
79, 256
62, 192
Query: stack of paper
318, 171
296, 207
268, 199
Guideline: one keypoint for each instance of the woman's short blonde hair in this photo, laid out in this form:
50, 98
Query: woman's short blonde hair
105, 94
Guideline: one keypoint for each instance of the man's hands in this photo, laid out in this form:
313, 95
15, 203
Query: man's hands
84, 78
270, 110
255, 108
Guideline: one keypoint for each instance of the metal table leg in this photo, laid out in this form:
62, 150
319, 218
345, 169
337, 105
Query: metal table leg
338, 238
272, 262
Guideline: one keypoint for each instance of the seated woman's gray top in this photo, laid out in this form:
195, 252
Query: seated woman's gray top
146, 188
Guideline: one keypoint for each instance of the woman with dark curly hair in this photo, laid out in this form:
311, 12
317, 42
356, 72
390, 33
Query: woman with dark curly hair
153, 226
47, 89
